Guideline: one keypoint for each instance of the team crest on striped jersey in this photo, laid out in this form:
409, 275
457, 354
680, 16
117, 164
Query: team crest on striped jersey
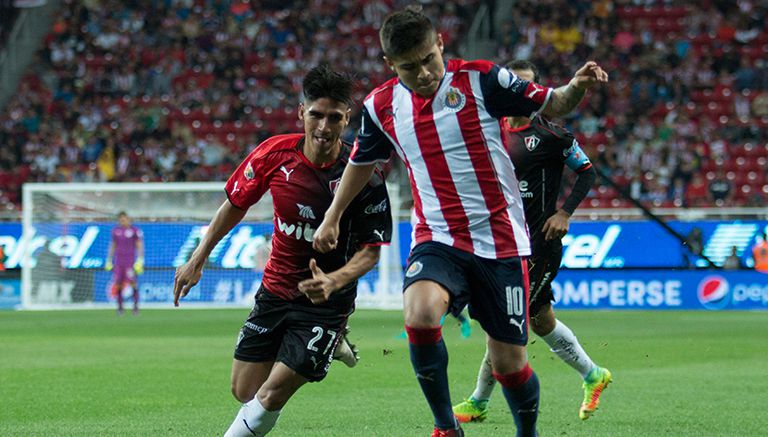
248, 173
454, 100
531, 142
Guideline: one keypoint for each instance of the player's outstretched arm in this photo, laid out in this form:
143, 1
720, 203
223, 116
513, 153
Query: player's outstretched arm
189, 274
322, 285
566, 98
352, 181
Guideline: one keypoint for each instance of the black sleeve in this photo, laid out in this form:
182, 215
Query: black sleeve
372, 214
371, 145
584, 180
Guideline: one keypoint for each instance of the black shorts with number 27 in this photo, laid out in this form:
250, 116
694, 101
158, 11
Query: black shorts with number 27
299, 334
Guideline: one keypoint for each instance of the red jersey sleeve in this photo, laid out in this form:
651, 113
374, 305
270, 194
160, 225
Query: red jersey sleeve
250, 181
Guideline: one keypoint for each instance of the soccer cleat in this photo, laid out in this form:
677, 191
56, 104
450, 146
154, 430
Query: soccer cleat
594, 384
458, 432
345, 351
471, 410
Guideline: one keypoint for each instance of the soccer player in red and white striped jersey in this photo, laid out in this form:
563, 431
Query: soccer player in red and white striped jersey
443, 120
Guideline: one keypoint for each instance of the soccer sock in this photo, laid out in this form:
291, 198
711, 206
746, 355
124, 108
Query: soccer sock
485, 380
521, 389
252, 420
565, 345
429, 358
119, 296
135, 296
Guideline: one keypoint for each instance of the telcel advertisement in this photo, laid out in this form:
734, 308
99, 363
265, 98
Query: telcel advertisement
612, 248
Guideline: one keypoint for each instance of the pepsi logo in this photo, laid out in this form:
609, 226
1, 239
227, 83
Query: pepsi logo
714, 292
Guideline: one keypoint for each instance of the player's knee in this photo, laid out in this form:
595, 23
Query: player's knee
242, 393
543, 322
422, 317
425, 304
542, 325
507, 358
271, 399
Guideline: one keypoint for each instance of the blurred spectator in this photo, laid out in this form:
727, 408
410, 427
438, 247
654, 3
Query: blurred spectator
695, 244
760, 254
732, 262
696, 194
720, 189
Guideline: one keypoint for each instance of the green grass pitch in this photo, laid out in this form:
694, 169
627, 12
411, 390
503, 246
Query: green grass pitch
166, 373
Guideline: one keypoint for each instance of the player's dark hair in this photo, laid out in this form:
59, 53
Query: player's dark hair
404, 30
522, 64
122, 214
322, 81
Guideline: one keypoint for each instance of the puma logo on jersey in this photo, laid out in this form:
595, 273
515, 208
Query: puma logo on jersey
535, 89
306, 212
235, 189
379, 234
518, 324
314, 361
287, 172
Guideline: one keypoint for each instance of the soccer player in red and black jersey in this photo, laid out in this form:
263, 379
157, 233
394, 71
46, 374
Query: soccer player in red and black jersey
443, 120
539, 150
306, 297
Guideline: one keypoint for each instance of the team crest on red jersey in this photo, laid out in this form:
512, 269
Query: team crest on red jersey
531, 142
454, 100
334, 185
248, 173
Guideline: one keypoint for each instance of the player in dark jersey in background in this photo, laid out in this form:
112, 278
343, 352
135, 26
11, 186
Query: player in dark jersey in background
306, 297
539, 150
125, 259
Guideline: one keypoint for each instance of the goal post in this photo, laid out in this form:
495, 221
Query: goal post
66, 232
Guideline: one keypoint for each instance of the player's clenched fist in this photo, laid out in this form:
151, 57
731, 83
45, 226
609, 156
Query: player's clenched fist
320, 287
588, 76
326, 236
187, 276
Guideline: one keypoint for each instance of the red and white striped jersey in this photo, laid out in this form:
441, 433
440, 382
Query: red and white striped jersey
464, 186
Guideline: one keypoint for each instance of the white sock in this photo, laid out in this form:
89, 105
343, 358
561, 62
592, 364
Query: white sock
485, 380
252, 420
565, 345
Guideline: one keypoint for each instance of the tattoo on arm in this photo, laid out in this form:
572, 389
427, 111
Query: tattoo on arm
564, 100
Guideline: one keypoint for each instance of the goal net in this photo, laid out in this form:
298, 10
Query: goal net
67, 232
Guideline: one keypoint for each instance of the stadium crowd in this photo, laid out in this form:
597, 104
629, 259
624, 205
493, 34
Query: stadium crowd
177, 90
683, 122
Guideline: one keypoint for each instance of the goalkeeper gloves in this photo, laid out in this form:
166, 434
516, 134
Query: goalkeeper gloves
138, 266
108, 265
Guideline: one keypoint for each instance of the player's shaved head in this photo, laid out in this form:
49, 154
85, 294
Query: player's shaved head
521, 64
404, 30
322, 81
